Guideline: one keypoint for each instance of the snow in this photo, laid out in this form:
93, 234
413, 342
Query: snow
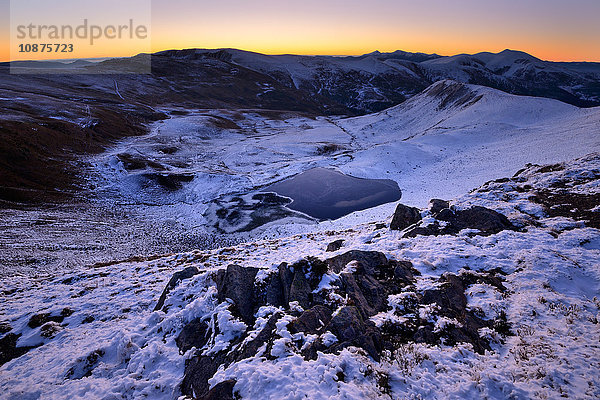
552, 305
114, 345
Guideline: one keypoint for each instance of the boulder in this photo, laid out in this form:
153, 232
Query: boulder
311, 320
350, 329
194, 334
367, 294
404, 216
367, 260
437, 205
237, 284
486, 221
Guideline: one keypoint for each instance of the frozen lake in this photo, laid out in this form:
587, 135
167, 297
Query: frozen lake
325, 194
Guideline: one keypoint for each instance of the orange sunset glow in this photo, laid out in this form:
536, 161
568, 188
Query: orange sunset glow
552, 30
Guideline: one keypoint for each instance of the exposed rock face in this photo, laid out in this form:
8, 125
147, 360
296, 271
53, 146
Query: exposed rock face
194, 334
404, 216
450, 221
364, 281
221, 391
175, 279
237, 284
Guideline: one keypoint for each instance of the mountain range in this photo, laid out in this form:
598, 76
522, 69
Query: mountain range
82, 113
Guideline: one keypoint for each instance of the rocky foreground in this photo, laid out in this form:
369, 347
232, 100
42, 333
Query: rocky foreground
492, 295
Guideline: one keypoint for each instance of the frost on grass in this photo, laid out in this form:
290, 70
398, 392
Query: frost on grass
513, 314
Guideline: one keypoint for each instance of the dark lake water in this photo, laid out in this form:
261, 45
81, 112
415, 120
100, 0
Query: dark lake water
327, 194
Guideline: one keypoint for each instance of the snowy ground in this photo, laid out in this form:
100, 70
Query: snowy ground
432, 145
441, 143
111, 344
101, 338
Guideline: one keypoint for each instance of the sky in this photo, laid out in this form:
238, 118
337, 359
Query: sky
556, 30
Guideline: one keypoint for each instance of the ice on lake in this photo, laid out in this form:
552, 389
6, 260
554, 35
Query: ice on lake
328, 194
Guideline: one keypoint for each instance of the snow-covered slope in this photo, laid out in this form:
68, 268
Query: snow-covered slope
377, 80
95, 334
520, 73
449, 105
446, 139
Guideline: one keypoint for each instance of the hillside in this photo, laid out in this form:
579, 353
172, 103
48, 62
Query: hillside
506, 312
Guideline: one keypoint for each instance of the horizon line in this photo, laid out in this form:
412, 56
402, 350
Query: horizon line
374, 52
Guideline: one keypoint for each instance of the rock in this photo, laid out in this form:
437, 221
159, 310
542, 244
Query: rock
404, 272
273, 293
9, 349
437, 205
198, 371
424, 334
450, 296
286, 277
84, 366
238, 285
367, 260
38, 320
445, 215
250, 349
300, 290
349, 328
50, 329
487, 221
335, 246
175, 279
366, 293
452, 302
429, 230
221, 391
194, 334
311, 320
404, 217
5, 327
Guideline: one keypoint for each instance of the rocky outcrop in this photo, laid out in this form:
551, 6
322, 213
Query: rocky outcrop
404, 216
450, 221
339, 315
237, 284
